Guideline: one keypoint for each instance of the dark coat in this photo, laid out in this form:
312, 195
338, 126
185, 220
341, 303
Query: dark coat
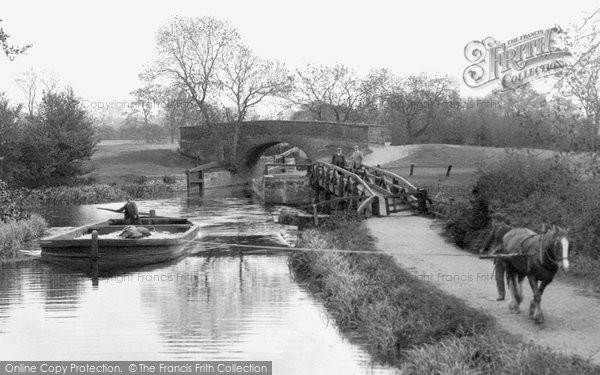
131, 213
339, 161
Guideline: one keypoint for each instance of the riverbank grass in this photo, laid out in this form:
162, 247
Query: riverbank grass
407, 322
15, 233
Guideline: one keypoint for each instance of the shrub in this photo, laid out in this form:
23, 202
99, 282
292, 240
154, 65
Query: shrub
169, 179
533, 192
50, 148
14, 233
140, 180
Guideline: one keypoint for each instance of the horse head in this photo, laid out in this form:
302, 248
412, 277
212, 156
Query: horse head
557, 248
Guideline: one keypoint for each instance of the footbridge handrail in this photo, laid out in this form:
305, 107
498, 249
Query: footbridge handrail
344, 183
396, 191
388, 180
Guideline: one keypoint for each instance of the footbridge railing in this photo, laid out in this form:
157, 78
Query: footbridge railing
397, 192
341, 183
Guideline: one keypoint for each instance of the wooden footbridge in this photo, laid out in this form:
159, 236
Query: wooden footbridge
372, 191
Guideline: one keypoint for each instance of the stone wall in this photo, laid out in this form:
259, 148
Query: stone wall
284, 189
313, 137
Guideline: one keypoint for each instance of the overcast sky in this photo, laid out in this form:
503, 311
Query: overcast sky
100, 47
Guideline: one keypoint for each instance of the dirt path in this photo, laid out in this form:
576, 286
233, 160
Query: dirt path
572, 320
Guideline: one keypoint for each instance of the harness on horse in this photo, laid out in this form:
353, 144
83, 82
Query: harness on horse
540, 251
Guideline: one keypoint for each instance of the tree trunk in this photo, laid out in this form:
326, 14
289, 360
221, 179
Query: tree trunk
236, 139
397, 136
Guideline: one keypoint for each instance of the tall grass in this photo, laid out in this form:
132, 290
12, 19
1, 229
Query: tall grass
391, 309
405, 321
15, 233
491, 354
99, 193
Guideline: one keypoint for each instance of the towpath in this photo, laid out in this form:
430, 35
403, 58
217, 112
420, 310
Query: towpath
572, 319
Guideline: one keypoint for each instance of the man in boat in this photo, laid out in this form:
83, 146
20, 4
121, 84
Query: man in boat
131, 212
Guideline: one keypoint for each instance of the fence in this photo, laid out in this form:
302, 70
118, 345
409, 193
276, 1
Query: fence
413, 166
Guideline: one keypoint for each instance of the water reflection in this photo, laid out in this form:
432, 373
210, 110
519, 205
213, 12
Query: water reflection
206, 306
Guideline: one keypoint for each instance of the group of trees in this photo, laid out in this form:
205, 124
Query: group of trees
48, 147
47, 143
205, 74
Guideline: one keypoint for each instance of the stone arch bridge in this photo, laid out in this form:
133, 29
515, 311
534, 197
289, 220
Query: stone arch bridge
255, 137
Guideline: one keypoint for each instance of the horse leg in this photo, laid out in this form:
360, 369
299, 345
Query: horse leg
511, 280
536, 292
520, 289
537, 315
499, 271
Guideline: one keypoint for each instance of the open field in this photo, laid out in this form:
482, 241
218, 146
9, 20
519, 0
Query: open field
121, 161
432, 160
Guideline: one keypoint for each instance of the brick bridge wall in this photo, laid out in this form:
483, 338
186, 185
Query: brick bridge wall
313, 137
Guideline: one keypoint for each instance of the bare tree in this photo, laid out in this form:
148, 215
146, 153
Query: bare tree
177, 109
580, 82
29, 85
247, 80
419, 100
190, 52
145, 104
323, 89
34, 85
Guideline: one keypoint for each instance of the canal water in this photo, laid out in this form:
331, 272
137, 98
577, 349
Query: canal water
219, 307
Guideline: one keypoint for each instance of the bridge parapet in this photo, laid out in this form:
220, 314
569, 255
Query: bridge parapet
215, 143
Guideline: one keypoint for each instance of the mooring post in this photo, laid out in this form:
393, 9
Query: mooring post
412, 168
448, 171
152, 213
423, 198
94, 250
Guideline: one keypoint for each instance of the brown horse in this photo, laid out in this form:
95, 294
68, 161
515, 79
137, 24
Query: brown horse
537, 257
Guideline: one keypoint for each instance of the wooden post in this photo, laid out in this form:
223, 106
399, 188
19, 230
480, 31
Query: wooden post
94, 254
412, 168
315, 215
448, 171
187, 175
152, 213
94, 257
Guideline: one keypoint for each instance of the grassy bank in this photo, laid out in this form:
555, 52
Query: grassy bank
121, 162
407, 322
14, 233
142, 188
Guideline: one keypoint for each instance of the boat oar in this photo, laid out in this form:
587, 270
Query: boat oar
111, 210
